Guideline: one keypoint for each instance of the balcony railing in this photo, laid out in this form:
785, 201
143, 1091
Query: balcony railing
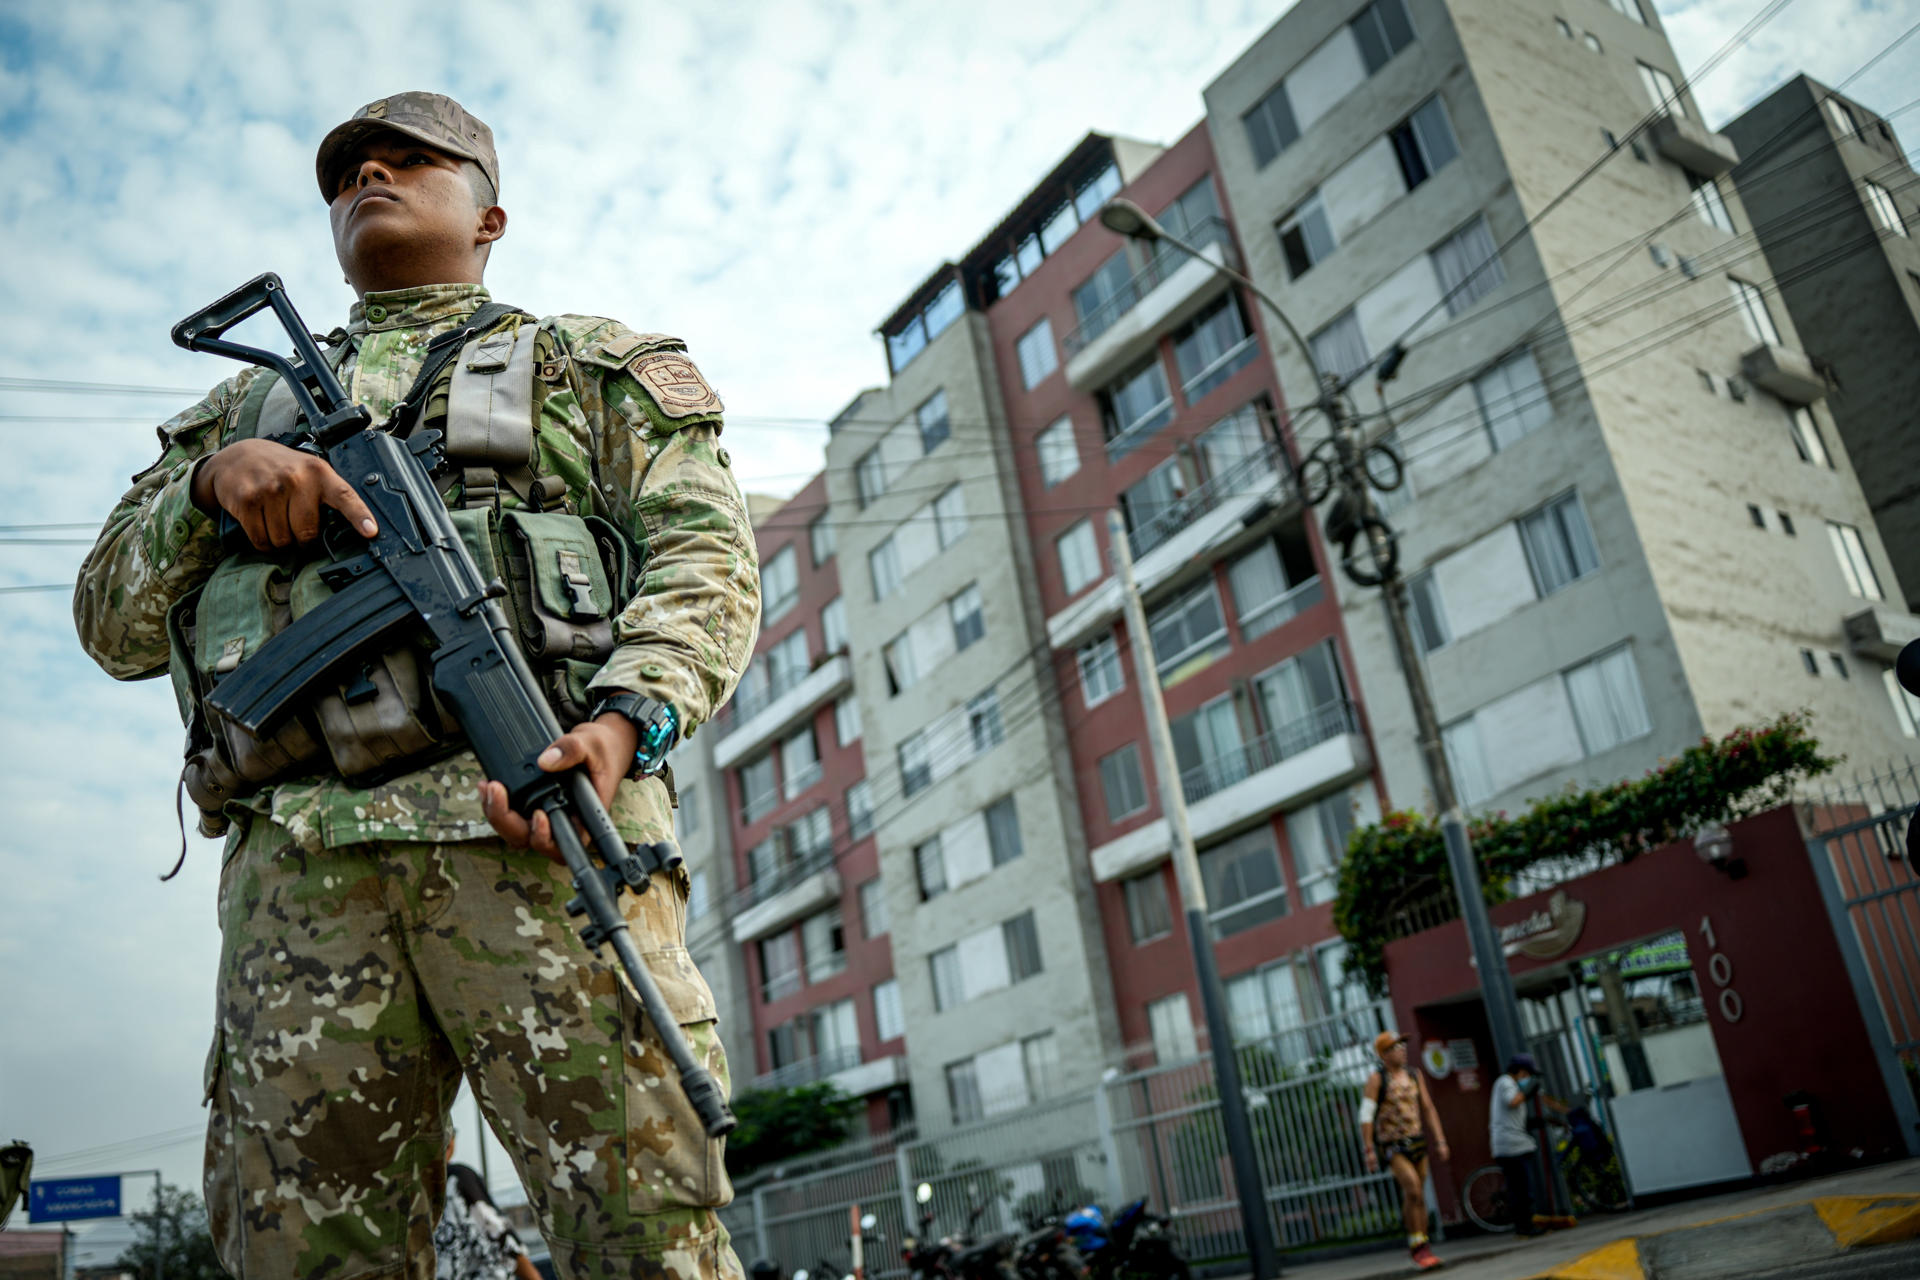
1182, 511
745, 705
1163, 264
1268, 750
782, 878
809, 1070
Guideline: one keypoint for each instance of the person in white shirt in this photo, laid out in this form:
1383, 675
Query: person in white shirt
1512, 1137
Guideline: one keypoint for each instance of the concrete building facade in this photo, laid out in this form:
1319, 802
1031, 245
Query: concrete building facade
1614, 545
1835, 206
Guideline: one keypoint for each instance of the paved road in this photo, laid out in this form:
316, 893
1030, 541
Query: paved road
1888, 1262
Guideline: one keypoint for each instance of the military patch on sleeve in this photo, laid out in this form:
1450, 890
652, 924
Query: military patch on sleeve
675, 385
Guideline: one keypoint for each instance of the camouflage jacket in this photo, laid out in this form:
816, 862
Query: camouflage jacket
683, 639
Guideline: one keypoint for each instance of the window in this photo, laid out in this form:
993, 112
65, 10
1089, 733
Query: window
1003, 831
763, 863
1149, 914
1906, 707
779, 584
1273, 583
1752, 306
1880, 200
1270, 126
1592, 42
1468, 266
1121, 785
833, 625
1426, 613
963, 1093
1661, 90
883, 562
931, 417
686, 815
1318, 835
779, 966
1212, 347
888, 1021
1423, 143
1855, 567
1136, 406
1631, 8
969, 622
916, 764
1786, 524
787, 662
1306, 237
846, 721
1467, 760
758, 794
1513, 400
820, 539
699, 895
949, 989
1839, 665
1340, 348
1243, 882
1096, 192
1303, 700
1157, 493
1382, 30
1708, 203
928, 324
1079, 557
799, 763
1040, 1059
1564, 28
1171, 1025
1036, 353
1842, 116
1101, 675
826, 945
836, 1035
783, 1045
1059, 454
1342, 991
983, 722
859, 810
1559, 544
873, 912
1208, 747
1023, 947
950, 516
1607, 703
1188, 628
870, 475
1806, 437
1107, 293
1756, 515
810, 839
1263, 1004
1236, 445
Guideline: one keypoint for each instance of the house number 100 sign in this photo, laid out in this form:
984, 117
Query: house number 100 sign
1720, 969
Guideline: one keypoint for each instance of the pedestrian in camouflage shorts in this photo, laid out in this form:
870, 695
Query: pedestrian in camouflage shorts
387, 922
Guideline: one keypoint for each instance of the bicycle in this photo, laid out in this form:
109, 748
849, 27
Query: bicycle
1588, 1164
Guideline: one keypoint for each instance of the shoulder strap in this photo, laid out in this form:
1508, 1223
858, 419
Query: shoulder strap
439, 351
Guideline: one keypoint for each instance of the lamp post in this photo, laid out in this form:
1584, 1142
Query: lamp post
1352, 516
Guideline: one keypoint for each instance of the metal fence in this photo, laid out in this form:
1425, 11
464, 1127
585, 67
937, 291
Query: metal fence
1153, 1133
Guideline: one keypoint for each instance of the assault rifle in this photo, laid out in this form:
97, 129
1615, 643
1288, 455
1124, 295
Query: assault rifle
415, 578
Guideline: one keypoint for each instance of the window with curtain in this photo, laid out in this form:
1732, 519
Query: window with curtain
1513, 400
873, 912
1270, 583
1423, 143
984, 726
1149, 913
1270, 126
1306, 236
1037, 355
779, 584
1079, 557
1208, 747
1851, 551
758, 793
1059, 453
1135, 406
1145, 501
949, 985
1559, 544
1195, 207
1299, 699
1807, 441
846, 720
825, 942
1318, 836
1101, 675
870, 475
836, 1033
1003, 831
1427, 612
1343, 992
1023, 946
963, 1093
779, 966
950, 515
916, 764
883, 564
1382, 29
969, 620
1467, 761
787, 661
1264, 1004
1170, 1022
1121, 785
1340, 348
799, 763
1607, 702
930, 865
833, 625
1187, 627
1212, 347
1040, 1059
1468, 266
811, 837
1235, 445
686, 815
859, 810
890, 1023
820, 539
1244, 884
1107, 293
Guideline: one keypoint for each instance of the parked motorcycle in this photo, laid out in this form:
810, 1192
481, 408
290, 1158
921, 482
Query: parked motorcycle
1136, 1244
1045, 1252
826, 1268
956, 1256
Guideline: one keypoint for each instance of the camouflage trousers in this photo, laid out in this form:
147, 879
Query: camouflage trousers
356, 986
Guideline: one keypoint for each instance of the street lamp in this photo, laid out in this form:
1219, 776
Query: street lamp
1354, 511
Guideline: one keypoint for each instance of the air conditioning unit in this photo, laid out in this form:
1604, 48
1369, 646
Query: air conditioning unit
1738, 387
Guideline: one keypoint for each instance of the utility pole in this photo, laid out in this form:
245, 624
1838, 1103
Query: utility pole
1254, 1218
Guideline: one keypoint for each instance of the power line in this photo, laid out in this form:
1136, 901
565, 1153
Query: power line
38, 586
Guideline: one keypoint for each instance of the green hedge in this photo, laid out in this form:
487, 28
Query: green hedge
1402, 861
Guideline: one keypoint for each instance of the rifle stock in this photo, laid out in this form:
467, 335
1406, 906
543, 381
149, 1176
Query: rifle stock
416, 576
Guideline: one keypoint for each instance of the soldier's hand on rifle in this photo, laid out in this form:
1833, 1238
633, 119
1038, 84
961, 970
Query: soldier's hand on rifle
605, 746
276, 493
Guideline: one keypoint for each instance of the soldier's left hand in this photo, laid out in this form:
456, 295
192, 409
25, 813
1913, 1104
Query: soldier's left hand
605, 746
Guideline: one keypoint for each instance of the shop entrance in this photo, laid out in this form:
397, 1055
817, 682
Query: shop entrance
1625, 1031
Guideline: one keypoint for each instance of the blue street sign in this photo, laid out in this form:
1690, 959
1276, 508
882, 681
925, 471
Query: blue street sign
70, 1199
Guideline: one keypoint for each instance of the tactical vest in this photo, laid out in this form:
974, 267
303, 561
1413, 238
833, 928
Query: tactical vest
568, 575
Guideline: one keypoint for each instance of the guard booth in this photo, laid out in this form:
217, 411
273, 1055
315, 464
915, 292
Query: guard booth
1691, 1009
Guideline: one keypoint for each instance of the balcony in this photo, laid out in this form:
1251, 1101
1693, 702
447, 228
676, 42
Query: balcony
1166, 291
1881, 632
1693, 146
1180, 545
746, 727
798, 889
841, 1068
1279, 770
1785, 372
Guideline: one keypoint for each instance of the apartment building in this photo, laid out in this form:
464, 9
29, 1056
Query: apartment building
1627, 516
1834, 203
1140, 379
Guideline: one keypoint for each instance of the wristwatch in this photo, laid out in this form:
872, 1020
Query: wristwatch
659, 727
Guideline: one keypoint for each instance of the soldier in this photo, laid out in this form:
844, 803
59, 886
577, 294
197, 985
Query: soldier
387, 922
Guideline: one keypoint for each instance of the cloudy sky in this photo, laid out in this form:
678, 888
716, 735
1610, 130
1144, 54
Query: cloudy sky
765, 179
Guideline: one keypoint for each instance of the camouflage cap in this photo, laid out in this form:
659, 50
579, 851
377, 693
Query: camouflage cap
433, 118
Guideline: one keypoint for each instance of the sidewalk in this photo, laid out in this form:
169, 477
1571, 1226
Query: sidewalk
1507, 1258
